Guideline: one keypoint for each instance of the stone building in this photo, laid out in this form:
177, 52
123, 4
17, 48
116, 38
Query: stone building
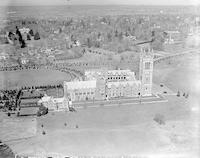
123, 89
146, 70
110, 75
80, 90
101, 84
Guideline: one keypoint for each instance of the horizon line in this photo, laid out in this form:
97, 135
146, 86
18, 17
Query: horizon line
189, 5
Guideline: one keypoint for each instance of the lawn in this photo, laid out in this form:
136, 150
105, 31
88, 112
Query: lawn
120, 130
13, 79
182, 73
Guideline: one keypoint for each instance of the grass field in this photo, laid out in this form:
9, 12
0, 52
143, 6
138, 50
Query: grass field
13, 79
182, 74
117, 131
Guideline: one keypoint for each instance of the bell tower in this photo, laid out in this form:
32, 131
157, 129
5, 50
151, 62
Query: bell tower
146, 69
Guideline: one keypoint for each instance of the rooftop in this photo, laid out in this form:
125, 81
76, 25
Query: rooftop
80, 84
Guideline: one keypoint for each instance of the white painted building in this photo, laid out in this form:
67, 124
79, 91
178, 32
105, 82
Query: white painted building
54, 103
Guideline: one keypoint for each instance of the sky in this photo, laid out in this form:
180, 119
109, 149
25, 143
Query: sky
99, 2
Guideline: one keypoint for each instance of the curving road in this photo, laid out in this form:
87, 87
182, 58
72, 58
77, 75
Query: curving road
157, 60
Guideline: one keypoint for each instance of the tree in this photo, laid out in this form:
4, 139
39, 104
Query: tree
159, 119
37, 36
97, 44
116, 33
127, 34
89, 42
28, 37
119, 49
23, 44
43, 132
60, 30
19, 34
109, 36
99, 35
31, 32
178, 94
72, 38
120, 36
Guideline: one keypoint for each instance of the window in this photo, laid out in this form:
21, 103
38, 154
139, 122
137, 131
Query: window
147, 78
147, 65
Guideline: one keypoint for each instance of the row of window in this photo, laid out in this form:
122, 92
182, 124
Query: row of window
121, 87
122, 94
84, 93
117, 78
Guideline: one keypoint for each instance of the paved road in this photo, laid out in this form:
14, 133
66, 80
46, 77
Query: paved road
120, 102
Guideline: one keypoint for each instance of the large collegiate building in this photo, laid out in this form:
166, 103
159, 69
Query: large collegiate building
104, 84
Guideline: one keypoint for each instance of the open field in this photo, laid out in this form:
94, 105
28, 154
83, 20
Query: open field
181, 73
13, 79
19, 128
100, 132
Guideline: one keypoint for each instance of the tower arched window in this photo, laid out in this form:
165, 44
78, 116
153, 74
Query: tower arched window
147, 65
